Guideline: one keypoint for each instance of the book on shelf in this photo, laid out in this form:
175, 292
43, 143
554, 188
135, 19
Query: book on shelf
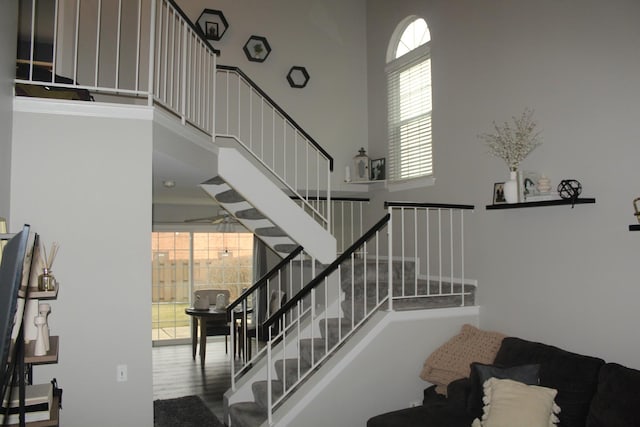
29, 417
33, 395
38, 401
541, 197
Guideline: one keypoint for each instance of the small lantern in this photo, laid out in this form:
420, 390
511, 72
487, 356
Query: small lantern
361, 166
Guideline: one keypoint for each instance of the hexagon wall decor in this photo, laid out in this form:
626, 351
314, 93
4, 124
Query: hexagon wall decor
213, 24
257, 48
298, 77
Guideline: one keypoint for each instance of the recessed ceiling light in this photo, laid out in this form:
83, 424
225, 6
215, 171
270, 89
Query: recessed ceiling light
168, 183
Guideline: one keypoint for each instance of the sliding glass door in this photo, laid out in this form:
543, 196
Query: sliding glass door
183, 261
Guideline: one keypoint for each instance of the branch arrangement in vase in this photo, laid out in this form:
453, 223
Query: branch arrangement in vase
48, 261
513, 142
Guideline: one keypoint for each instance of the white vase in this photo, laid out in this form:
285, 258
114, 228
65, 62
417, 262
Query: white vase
40, 346
511, 188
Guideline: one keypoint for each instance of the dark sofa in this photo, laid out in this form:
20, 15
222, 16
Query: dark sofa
591, 393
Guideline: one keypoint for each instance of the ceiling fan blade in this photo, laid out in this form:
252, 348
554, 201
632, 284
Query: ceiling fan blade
217, 219
205, 219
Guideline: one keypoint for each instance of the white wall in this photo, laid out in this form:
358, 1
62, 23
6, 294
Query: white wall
85, 182
379, 373
8, 34
328, 38
560, 275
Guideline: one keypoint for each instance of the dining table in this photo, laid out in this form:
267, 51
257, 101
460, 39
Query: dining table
200, 319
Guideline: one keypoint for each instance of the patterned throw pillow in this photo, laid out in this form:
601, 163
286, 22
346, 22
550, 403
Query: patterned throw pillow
480, 373
511, 403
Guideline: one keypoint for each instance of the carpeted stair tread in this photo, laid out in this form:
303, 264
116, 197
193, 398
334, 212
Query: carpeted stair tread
216, 180
331, 329
247, 414
250, 214
260, 392
287, 370
319, 348
286, 248
229, 196
270, 232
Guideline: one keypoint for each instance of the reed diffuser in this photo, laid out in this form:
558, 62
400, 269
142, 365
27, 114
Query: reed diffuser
46, 281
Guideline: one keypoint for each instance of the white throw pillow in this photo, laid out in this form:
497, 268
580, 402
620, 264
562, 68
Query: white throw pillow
510, 403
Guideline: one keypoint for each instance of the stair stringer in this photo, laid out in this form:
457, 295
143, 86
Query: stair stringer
307, 402
261, 193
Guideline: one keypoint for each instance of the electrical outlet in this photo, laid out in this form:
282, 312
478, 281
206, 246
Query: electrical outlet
414, 404
121, 374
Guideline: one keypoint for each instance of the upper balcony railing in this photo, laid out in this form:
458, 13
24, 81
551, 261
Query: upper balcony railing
105, 47
148, 51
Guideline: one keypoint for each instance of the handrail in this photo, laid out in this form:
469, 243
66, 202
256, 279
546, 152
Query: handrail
279, 110
264, 278
428, 205
334, 199
195, 28
326, 272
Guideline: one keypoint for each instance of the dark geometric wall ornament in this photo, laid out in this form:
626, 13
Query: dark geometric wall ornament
257, 48
298, 77
213, 24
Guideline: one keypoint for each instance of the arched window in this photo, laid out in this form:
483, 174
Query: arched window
409, 104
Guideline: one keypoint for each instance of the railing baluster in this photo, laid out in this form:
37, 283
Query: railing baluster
75, 47
118, 41
54, 58
138, 37
97, 50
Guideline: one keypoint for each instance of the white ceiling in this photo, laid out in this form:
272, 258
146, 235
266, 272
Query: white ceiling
184, 156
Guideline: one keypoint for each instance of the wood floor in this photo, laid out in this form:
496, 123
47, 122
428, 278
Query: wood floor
176, 374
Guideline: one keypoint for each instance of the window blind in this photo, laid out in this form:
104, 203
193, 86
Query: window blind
409, 117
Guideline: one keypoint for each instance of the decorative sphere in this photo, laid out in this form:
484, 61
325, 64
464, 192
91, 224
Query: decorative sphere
569, 188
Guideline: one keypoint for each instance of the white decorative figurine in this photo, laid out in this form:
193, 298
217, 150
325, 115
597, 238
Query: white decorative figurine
40, 348
44, 309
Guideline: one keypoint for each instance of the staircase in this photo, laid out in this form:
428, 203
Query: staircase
273, 161
300, 346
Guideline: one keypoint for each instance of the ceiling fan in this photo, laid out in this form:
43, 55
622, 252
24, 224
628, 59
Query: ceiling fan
223, 219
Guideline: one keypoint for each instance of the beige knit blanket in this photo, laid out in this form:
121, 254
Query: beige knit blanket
451, 360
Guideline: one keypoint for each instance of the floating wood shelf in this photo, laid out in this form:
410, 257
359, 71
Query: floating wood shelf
557, 202
634, 227
34, 293
50, 357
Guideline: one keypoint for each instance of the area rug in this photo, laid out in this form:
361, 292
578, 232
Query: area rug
188, 411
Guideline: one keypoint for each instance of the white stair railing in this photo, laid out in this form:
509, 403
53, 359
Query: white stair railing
415, 253
347, 218
106, 47
429, 236
249, 116
125, 51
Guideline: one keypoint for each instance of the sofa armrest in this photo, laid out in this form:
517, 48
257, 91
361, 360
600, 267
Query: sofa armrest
458, 392
433, 398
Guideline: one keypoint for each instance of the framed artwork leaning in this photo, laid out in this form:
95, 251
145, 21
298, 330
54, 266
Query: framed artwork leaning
498, 193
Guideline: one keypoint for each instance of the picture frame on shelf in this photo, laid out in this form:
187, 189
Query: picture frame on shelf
498, 193
528, 185
212, 30
377, 169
